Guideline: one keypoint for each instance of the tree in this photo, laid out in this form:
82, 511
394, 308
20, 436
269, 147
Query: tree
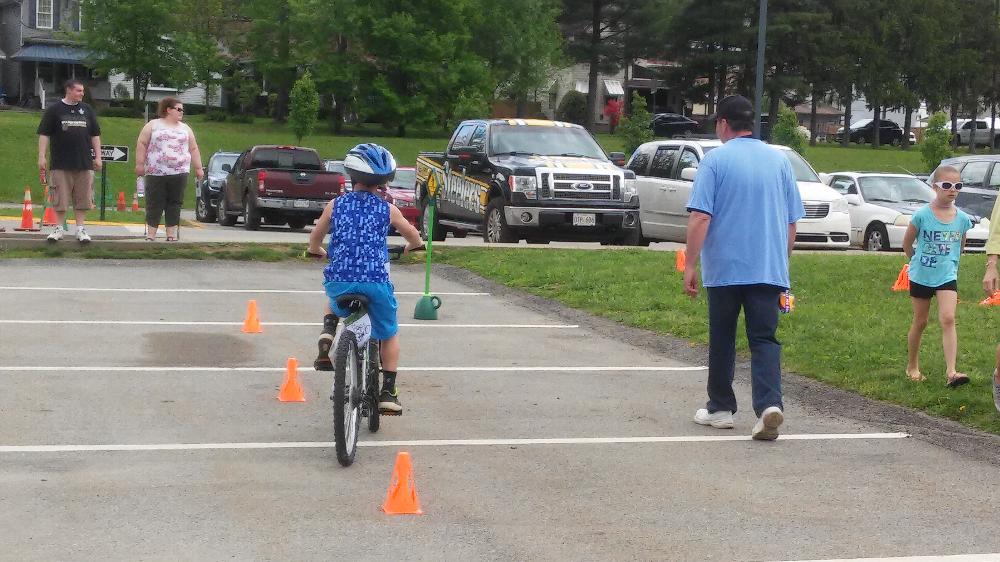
786, 130
305, 107
199, 41
128, 36
269, 42
573, 108
634, 128
937, 141
324, 48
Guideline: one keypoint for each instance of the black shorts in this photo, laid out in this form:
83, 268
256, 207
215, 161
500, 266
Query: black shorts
919, 291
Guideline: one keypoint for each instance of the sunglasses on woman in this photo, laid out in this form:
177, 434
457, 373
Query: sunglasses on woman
179, 109
947, 185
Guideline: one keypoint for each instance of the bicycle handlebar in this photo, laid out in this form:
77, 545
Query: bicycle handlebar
397, 250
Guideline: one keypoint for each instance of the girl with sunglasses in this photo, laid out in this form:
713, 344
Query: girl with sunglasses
934, 242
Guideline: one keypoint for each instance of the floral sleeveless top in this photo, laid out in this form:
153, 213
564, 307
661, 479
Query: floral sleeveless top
358, 230
168, 153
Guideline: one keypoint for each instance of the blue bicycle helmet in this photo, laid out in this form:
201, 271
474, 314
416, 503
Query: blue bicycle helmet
370, 164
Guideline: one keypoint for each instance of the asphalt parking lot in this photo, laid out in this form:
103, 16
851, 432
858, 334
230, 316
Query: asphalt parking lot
137, 422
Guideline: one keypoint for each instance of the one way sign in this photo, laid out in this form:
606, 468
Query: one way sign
111, 153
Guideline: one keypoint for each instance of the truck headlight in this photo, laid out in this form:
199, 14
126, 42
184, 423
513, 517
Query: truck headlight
838, 205
630, 190
527, 185
902, 220
215, 184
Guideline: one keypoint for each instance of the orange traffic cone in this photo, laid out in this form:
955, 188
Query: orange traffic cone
401, 499
27, 216
252, 323
121, 201
49, 215
903, 280
992, 300
681, 259
291, 390
135, 202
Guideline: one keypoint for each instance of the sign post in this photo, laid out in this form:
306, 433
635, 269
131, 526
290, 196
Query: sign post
428, 304
110, 153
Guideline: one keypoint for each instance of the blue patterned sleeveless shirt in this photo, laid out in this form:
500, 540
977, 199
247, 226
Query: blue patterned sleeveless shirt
359, 226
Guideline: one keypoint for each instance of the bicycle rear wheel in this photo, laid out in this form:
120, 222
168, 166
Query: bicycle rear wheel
346, 397
372, 384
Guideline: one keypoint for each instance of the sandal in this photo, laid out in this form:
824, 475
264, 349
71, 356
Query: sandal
919, 378
958, 379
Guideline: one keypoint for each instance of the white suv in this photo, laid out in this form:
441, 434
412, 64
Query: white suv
665, 172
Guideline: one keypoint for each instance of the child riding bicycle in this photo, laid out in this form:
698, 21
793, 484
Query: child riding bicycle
358, 224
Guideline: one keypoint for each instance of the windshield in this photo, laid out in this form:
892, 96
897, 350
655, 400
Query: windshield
405, 179
215, 166
895, 189
544, 141
803, 171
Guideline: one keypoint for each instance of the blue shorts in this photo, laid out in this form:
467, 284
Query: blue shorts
381, 304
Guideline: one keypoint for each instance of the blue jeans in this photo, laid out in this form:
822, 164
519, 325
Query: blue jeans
760, 310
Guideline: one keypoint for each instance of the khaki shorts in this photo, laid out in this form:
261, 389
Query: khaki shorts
72, 185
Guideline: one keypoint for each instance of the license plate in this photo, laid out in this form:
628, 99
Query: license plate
300, 204
584, 219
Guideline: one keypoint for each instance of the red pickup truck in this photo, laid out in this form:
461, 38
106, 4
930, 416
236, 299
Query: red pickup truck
277, 185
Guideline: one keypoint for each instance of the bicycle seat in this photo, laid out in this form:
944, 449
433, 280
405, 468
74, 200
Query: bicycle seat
352, 301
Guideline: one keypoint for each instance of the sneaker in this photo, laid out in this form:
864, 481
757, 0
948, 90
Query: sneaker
766, 428
388, 402
996, 390
720, 419
56, 235
82, 236
322, 362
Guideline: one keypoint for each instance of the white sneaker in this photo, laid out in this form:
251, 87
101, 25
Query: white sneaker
56, 235
720, 419
766, 428
82, 236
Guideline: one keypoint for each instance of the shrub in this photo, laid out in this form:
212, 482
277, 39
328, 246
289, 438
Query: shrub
573, 108
635, 128
241, 118
305, 107
216, 115
786, 130
937, 141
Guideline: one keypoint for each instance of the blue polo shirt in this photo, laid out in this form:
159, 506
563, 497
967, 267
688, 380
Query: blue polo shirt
749, 189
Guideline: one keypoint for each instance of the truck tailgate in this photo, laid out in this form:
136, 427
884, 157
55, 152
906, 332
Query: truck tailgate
301, 184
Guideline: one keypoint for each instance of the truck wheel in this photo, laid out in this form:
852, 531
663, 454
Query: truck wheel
296, 224
459, 233
225, 219
633, 237
202, 211
251, 215
439, 233
496, 229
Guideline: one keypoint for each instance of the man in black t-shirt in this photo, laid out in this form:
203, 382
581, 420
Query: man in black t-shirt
70, 128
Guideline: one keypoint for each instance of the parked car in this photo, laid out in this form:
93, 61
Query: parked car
206, 199
981, 176
277, 185
881, 205
982, 128
664, 175
338, 166
673, 125
401, 191
863, 132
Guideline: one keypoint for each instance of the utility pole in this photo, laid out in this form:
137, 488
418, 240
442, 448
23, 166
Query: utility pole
761, 44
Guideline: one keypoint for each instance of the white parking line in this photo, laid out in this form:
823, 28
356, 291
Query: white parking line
944, 558
439, 443
165, 369
218, 323
147, 290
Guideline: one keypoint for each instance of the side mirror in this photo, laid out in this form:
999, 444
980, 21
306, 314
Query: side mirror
853, 199
688, 174
618, 159
825, 178
227, 168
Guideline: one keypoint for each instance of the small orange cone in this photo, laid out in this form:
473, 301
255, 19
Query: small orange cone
27, 216
252, 323
291, 390
121, 201
681, 259
903, 280
135, 202
401, 499
992, 300
49, 216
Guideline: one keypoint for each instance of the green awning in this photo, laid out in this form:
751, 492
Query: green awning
50, 53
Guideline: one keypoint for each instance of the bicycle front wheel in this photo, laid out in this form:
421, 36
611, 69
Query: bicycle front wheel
346, 397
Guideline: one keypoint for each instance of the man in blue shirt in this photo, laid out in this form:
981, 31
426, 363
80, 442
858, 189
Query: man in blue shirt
744, 206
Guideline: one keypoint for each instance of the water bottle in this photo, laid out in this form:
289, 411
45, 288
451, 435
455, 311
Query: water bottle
786, 302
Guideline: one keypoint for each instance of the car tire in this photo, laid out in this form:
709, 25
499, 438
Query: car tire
297, 224
251, 215
634, 237
203, 211
876, 238
225, 219
495, 227
896, 141
439, 233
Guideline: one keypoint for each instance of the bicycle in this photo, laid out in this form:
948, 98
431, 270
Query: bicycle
357, 370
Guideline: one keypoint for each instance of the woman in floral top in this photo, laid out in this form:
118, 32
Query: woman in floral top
164, 152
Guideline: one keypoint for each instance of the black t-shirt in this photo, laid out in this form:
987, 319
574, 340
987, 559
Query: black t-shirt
70, 128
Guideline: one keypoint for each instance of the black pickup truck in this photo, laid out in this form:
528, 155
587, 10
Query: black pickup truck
277, 185
514, 179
